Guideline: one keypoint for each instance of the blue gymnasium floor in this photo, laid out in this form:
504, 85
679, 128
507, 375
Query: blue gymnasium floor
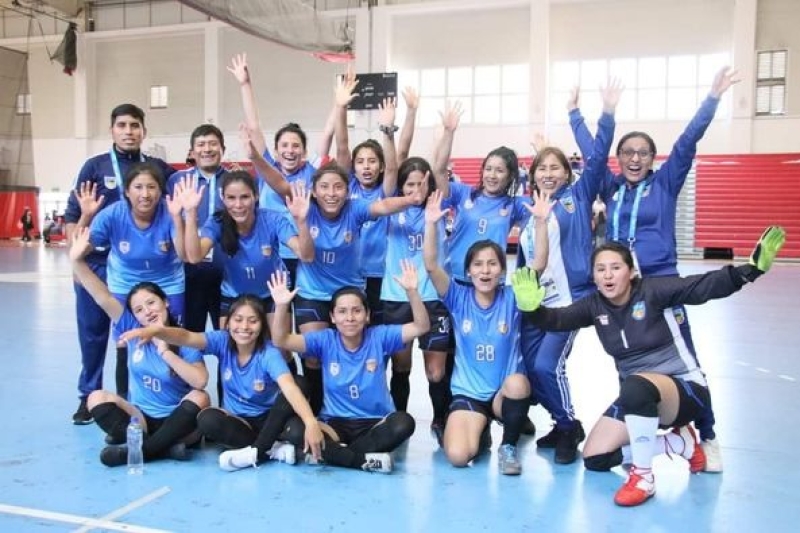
52, 479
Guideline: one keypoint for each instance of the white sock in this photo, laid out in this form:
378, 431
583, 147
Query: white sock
642, 433
627, 457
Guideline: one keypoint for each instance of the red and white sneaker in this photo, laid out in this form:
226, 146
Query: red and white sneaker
638, 489
692, 451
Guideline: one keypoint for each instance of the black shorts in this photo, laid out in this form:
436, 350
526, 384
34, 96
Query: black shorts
376, 311
226, 302
349, 429
465, 403
306, 311
291, 268
440, 336
692, 401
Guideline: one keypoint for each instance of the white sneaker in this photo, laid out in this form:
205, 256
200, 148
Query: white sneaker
713, 456
284, 452
233, 460
378, 462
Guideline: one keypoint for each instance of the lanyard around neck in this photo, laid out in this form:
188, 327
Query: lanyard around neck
115, 165
634, 213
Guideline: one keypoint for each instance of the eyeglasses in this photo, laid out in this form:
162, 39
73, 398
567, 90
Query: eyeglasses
643, 154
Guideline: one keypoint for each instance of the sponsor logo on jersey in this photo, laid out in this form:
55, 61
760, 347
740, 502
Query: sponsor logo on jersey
258, 385
638, 311
124, 247
313, 231
603, 319
466, 326
468, 204
569, 204
227, 375
503, 211
680, 316
502, 327
163, 246
348, 236
138, 355
334, 369
266, 250
110, 182
372, 365
401, 218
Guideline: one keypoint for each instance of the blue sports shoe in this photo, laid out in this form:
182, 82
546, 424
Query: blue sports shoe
508, 461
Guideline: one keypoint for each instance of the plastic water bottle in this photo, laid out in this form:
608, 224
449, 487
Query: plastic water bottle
135, 457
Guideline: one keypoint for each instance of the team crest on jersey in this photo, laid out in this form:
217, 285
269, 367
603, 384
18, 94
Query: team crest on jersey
401, 218
468, 204
124, 247
569, 204
680, 316
138, 355
638, 311
503, 211
348, 236
372, 365
110, 182
334, 369
313, 231
258, 385
227, 375
163, 246
466, 326
603, 319
502, 327
266, 250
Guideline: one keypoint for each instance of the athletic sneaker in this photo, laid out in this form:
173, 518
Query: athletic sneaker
82, 416
567, 443
233, 460
637, 490
437, 430
378, 462
284, 452
508, 462
713, 456
692, 451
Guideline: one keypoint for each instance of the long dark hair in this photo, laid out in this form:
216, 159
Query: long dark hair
375, 146
509, 157
155, 290
558, 154
230, 235
417, 164
256, 305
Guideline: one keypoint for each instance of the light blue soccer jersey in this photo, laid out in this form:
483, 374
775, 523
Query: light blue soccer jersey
355, 382
484, 217
137, 254
373, 232
154, 387
248, 271
252, 389
336, 251
487, 341
406, 230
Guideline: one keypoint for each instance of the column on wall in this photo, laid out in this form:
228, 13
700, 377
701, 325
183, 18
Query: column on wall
539, 65
744, 56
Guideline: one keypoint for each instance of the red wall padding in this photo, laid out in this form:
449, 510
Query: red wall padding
12, 205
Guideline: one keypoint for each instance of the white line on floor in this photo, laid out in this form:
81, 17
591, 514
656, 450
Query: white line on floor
787, 378
763, 370
75, 519
113, 515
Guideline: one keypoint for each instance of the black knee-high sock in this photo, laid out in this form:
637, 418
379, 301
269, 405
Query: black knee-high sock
314, 382
400, 387
112, 419
121, 372
514, 414
220, 389
386, 435
439, 392
179, 424
334, 453
224, 429
279, 415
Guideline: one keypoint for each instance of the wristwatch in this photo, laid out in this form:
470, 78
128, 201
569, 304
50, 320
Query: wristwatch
388, 130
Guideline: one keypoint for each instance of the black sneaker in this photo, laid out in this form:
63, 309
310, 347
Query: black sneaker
549, 440
567, 444
437, 430
82, 416
114, 455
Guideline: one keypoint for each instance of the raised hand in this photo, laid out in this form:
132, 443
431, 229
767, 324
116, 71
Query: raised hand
539, 142
87, 198
238, 68
189, 194
408, 279
247, 142
611, 93
80, 244
387, 113
144, 335
527, 291
541, 205
411, 97
451, 115
433, 209
279, 289
767, 248
343, 93
726, 77
299, 202
574, 98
